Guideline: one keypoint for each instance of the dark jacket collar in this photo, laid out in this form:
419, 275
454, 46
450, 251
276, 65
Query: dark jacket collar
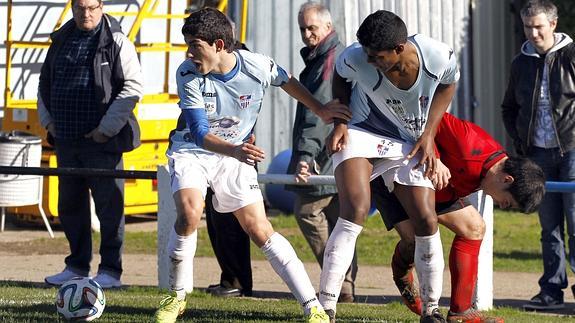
109, 25
330, 41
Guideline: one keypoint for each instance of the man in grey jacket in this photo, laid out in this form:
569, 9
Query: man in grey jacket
89, 85
538, 113
316, 206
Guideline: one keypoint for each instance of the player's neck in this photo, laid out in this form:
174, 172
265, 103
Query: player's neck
408, 60
405, 72
492, 174
226, 64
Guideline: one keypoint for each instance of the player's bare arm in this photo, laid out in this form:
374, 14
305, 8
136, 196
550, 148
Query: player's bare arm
328, 112
441, 100
246, 152
337, 139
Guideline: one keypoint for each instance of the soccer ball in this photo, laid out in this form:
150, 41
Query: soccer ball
80, 299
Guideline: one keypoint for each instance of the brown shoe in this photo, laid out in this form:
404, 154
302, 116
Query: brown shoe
345, 298
472, 316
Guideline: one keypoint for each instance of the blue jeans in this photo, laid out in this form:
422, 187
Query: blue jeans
74, 207
556, 210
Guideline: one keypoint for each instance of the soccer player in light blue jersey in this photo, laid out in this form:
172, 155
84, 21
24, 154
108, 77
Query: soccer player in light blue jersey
221, 93
398, 88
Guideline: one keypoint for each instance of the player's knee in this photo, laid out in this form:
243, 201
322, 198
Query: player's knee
425, 224
259, 231
356, 213
475, 230
189, 217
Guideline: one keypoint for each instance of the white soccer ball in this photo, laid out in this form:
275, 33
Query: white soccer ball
80, 299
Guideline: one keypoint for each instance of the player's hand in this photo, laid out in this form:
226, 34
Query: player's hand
337, 139
302, 172
97, 136
249, 153
441, 178
425, 145
334, 110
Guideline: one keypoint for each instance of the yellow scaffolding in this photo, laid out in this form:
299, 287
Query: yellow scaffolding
140, 195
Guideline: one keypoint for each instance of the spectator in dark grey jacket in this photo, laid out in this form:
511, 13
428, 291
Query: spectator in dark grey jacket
89, 85
316, 207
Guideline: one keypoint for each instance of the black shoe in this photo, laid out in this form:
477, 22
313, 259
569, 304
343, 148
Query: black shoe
212, 287
573, 290
222, 291
543, 302
435, 317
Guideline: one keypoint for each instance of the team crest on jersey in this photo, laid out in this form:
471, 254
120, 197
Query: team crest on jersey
384, 146
245, 101
210, 107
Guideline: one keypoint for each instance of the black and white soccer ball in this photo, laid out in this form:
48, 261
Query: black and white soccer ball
80, 299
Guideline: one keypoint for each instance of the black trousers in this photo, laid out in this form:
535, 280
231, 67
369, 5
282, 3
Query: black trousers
231, 246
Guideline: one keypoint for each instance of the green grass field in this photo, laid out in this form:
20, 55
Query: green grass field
516, 248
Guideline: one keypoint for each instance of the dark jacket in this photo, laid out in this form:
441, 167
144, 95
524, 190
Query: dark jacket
310, 131
520, 102
117, 82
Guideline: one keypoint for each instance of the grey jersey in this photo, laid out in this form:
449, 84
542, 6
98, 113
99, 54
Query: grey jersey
232, 106
380, 107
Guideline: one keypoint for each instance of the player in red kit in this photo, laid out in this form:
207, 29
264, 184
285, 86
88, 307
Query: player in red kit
474, 161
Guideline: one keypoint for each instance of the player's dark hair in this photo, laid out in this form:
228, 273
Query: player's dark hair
528, 187
535, 7
209, 24
382, 30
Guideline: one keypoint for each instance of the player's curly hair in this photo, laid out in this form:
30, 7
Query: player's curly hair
528, 187
382, 30
210, 24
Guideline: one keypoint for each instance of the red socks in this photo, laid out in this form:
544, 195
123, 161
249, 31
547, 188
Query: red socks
463, 260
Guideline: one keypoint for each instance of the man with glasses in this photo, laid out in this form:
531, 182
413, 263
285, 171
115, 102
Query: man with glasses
89, 85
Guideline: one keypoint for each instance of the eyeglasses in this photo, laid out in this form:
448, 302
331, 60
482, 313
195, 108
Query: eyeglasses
91, 9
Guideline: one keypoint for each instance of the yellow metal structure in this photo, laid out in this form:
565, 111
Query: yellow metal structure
19, 114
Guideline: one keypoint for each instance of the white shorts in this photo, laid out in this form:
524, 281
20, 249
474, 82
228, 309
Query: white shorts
389, 155
235, 184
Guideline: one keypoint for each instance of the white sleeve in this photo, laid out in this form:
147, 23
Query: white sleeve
189, 90
450, 74
278, 76
346, 63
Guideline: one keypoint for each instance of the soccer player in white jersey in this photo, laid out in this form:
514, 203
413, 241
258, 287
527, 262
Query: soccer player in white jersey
221, 94
398, 89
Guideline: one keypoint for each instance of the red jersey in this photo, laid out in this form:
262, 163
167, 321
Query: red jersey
469, 152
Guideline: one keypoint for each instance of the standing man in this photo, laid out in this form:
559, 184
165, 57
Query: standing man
317, 206
538, 113
221, 93
89, 85
398, 89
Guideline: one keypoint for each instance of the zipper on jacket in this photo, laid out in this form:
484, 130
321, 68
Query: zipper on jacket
551, 110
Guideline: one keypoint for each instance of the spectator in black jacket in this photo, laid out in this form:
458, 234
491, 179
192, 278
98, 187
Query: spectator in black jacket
538, 113
316, 206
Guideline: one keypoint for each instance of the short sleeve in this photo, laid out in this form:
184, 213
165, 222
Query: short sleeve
346, 63
278, 76
451, 73
189, 90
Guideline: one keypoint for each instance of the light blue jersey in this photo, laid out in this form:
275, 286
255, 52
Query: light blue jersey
232, 107
380, 107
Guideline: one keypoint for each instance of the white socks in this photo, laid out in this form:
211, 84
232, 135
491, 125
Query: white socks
182, 250
337, 258
289, 267
429, 265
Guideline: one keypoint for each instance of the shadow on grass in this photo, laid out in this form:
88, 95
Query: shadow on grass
518, 255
